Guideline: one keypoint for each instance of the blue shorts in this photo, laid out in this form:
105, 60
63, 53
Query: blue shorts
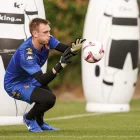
23, 93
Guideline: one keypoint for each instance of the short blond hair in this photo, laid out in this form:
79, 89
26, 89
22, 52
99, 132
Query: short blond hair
34, 23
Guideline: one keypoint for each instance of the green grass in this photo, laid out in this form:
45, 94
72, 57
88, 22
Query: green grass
109, 126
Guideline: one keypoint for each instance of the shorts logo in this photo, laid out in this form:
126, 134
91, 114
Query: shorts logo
16, 94
26, 86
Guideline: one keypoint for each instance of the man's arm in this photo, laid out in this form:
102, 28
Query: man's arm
32, 67
73, 49
62, 47
46, 78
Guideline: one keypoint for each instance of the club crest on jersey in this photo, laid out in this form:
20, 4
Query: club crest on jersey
29, 58
29, 51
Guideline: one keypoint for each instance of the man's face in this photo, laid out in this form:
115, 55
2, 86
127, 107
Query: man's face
43, 34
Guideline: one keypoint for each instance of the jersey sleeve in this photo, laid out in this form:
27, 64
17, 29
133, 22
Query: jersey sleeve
53, 42
28, 61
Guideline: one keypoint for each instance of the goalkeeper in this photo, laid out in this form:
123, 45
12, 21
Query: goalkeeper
24, 79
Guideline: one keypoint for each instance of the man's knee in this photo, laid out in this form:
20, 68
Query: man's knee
49, 102
53, 101
43, 96
50, 98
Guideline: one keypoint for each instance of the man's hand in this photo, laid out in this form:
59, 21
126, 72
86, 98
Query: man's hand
64, 60
76, 46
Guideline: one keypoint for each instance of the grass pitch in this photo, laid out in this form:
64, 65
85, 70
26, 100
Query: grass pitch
75, 123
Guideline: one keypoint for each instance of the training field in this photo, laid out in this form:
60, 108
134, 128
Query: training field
76, 123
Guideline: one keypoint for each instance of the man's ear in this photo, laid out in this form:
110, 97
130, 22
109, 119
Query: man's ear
35, 33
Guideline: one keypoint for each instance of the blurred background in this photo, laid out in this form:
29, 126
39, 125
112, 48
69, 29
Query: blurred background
67, 22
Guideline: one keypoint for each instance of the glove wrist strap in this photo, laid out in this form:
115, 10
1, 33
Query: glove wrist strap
58, 67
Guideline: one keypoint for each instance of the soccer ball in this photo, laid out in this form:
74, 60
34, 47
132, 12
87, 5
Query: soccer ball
93, 51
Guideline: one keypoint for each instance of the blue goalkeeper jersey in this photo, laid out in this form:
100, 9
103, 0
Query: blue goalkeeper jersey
25, 62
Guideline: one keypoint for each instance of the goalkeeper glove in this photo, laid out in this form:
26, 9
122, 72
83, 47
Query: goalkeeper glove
64, 60
77, 45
